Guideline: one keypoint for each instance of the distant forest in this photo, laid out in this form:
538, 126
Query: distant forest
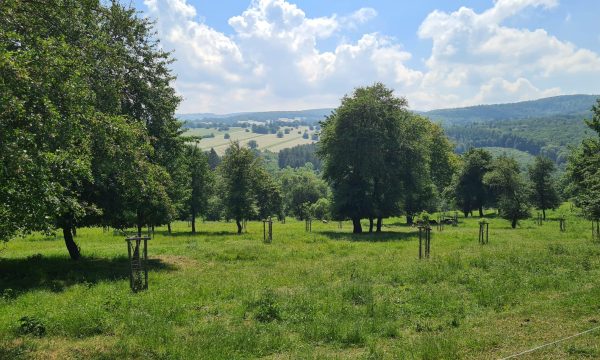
298, 156
548, 136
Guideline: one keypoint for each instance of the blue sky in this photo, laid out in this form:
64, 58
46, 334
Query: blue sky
287, 55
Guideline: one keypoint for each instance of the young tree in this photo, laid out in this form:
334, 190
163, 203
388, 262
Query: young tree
506, 179
470, 192
268, 194
584, 169
544, 195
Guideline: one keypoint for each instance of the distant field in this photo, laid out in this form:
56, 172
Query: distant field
265, 141
321, 295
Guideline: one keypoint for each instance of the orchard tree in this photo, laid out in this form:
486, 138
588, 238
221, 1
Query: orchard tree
506, 180
470, 192
79, 78
360, 146
238, 170
544, 195
584, 169
268, 194
199, 182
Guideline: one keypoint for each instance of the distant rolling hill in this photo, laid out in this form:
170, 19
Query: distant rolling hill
552, 106
548, 126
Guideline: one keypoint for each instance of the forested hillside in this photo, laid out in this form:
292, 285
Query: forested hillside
549, 136
547, 107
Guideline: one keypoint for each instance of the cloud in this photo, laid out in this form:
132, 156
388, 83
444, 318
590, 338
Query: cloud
272, 59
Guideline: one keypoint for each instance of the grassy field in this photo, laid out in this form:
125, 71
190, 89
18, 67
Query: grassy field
325, 294
265, 141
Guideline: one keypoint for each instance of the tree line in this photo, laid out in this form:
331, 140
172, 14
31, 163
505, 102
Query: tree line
88, 137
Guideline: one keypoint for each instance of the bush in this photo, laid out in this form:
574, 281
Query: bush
266, 308
279, 134
31, 325
226, 136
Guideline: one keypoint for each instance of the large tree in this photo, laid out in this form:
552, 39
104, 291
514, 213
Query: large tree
544, 195
506, 180
80, 78
584, 169
375, 156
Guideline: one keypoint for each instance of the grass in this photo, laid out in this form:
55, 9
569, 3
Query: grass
325, 294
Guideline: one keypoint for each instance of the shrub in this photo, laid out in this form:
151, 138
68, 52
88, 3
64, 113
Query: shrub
31, 325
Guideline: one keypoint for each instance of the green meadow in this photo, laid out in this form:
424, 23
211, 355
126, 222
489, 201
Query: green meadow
326, 294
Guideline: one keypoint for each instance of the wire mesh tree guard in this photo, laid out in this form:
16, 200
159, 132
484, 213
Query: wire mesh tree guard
268, 230
562, 224
340, 224
484, 232
440, 222
424, 241
308, 224
596, 229
137, 250
539, 219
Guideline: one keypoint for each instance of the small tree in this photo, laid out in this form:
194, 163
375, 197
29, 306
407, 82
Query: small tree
470, 191
544, 195
252, 144
226, 136
506, 180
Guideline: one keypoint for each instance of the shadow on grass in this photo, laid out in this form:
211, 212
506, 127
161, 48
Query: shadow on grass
56, 273
198, 233
384, 236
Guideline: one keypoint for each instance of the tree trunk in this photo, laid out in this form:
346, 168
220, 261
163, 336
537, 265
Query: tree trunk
370, 225
513, 223
74, 230
480, 211
193, 221
544, 214
169, 228
239, 225
409, 219
357, 226
139, 227
466, 214
71, 245
379, 223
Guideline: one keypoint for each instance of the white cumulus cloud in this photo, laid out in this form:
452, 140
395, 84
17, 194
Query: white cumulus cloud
272, 59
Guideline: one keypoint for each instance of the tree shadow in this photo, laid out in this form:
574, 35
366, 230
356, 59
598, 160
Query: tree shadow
384, 236
55, 273
198, 233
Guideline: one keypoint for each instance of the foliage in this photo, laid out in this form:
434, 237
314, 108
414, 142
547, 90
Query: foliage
200, 183
470, 192
544, 195
298, 156
505, 179
301, 187
321, 209
63, 116
584, 169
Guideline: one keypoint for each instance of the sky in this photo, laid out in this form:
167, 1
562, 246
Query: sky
261, 55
